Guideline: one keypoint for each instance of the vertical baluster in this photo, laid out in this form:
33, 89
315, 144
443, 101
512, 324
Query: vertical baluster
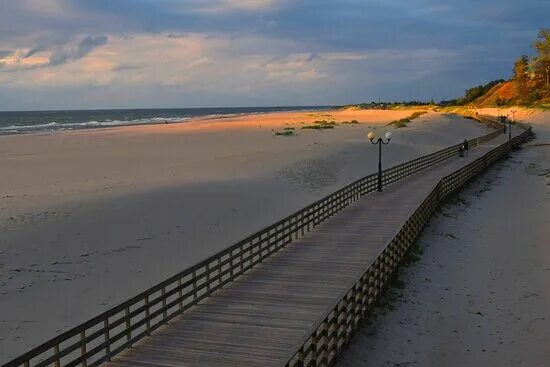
165, 311
260, 242
220, 276
335, 330
83, 348
302, 222
107, 337
195, 295
314, 348
147, 311
241, 256
207, 271
56, 351
301, 357
128, 332
180, 294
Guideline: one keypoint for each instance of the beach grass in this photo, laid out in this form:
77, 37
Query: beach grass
286, 132
404, 121
321, 125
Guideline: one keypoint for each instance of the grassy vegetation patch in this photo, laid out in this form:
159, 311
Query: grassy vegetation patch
286, 132
396, 283
404, 121
321, 125
352, 122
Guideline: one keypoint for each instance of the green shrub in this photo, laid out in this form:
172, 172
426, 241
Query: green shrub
318, 127
404, 121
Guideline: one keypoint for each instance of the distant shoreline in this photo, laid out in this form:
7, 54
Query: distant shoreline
27, 122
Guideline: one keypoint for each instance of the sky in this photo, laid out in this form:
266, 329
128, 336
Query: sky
86, 54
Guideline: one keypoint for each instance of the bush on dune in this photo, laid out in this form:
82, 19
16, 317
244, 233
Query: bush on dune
321, 125
404, 121
287, 132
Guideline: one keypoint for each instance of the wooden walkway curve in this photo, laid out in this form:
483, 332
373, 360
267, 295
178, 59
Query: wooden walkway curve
264, 315
290, 294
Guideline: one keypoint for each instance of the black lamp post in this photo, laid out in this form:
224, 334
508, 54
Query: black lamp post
379, 141
510, 124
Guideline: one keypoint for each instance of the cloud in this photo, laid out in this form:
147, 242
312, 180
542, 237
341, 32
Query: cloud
62, 55
34, 50
224, 6
255, 51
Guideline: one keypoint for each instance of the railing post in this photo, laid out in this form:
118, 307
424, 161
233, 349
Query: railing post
165, 311
180, 295
207, 270
301, 357
107, 337
147, 322
128, 332
56, 351
83, 348
314, 348
195, 295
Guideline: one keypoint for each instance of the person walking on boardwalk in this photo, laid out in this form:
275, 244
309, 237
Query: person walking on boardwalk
465, 146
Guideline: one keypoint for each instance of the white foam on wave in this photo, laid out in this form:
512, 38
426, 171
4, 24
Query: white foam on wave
52, 126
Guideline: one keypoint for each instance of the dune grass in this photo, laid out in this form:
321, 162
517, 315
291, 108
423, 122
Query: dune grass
286, 132
404, 121
321, 125
352, 122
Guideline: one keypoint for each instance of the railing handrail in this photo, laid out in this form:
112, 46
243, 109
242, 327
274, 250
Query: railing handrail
321, 208
315, 327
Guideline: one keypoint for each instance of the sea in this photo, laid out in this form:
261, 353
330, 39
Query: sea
20, 122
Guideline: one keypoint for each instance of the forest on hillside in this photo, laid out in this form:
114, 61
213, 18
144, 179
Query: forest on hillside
529, 85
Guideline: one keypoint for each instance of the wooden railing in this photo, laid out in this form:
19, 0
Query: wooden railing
104, 336
330, 335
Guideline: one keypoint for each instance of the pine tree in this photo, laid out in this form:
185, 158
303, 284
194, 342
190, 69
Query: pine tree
542, 61
521, 77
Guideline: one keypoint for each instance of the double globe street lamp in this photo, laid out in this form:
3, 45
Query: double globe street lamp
513, 120
379, 141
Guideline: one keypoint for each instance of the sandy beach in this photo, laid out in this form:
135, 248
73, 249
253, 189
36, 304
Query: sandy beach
478, 296
89, 218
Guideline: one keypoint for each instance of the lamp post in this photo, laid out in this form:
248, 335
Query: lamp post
379, 141
510, 124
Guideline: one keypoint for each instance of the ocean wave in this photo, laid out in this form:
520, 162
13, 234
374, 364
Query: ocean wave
21, 122
54, 125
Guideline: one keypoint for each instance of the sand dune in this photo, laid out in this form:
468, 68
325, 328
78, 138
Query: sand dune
90, 218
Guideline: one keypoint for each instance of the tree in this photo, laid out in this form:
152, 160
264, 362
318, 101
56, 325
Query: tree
542, 61
521, 76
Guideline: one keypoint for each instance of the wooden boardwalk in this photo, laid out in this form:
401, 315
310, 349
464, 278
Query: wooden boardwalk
263, 316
